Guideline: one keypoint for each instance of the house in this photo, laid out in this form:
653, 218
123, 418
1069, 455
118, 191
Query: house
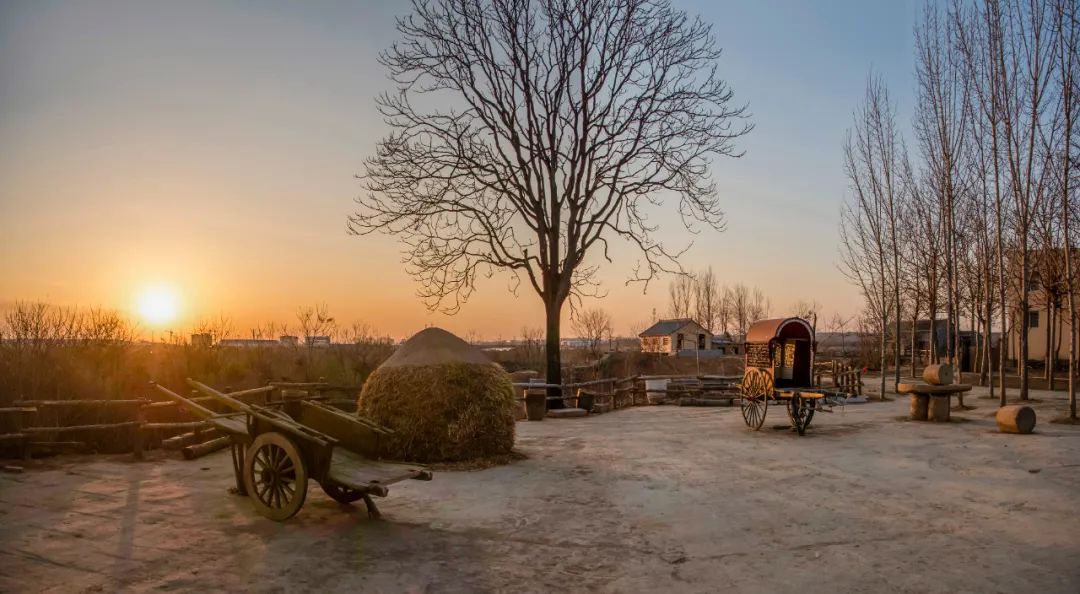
727, 347
970, 342
248, 343
289, 340
257, 342
317, 341
1048, 302
671, 336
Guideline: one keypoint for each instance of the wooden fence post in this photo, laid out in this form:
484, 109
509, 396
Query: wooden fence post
140, 433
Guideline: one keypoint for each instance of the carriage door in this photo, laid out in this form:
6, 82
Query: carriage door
787, 360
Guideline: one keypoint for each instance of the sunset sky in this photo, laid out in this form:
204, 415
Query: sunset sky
209, 149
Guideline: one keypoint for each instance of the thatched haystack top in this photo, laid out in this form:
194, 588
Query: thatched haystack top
435, 346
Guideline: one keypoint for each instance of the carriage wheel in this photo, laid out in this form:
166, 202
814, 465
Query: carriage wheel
800, 411
275, 476
341, 493
756, 390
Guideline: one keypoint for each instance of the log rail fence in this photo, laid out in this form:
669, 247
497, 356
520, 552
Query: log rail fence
37, 425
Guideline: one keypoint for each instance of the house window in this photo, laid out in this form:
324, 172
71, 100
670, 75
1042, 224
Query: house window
1033, 319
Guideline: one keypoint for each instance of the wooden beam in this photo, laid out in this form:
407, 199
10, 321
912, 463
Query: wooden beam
39, 403
79, 427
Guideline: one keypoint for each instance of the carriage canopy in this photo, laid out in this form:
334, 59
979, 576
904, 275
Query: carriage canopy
783, 347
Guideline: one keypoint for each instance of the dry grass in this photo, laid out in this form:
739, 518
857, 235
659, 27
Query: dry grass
449, 412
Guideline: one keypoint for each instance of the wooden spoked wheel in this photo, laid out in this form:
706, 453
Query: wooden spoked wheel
275, 476
756, 390
800, 411
341, 493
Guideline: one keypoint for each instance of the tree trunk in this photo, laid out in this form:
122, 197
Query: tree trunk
1025, 321
896, 307
934, 355
988, 332
1049, 340
552, 354
884, 370
914, 344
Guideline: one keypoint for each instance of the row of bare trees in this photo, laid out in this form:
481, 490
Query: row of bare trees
33, 334
60, 352
311, 320
972, 225
721, 309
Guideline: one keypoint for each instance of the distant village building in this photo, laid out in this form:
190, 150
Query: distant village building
671, 336
317, 341
970, 343
727, 347
249, 343
289, 340
1048, 302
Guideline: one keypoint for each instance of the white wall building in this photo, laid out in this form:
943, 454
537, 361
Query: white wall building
671, 336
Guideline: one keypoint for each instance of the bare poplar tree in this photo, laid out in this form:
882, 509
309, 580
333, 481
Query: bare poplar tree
708, 300
940, 127
681, 296
1067, 55
869, 253
1025, 73
980, 41
528, 134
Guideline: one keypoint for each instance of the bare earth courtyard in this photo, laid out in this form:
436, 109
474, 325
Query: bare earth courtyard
646, 499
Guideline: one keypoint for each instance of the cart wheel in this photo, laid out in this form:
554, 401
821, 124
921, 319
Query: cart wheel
756, 390
341, 493
800, 411
275, 476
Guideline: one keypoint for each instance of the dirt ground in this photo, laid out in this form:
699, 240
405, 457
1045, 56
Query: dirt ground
646, 499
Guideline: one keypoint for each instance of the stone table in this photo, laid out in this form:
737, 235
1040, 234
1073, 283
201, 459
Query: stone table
930, 402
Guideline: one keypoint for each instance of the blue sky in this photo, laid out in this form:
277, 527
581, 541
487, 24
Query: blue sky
211, 146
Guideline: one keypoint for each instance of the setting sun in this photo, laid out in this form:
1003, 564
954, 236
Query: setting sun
157, 305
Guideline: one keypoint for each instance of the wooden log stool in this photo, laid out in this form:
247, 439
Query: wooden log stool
1015, 419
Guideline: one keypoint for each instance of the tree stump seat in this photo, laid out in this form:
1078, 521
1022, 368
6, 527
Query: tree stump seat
931, 402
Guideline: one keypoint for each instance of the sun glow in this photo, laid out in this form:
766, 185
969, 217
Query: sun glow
158, 305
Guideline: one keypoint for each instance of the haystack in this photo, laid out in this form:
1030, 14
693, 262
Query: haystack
444, 400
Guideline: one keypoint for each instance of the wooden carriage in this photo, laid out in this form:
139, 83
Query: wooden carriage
279, 446
779, 368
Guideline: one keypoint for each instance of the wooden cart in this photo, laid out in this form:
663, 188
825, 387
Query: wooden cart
278, 446
779, 367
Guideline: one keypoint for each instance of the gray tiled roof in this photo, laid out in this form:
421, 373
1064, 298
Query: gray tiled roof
666, 327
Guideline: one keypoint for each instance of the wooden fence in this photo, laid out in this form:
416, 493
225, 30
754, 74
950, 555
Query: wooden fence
634, 391
843, 377
38, 425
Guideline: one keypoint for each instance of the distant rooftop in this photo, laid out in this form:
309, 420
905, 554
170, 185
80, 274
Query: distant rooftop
666, 327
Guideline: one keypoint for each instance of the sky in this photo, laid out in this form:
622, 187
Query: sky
209, 150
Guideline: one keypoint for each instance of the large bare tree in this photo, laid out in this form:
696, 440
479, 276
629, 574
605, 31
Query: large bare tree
528, 134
